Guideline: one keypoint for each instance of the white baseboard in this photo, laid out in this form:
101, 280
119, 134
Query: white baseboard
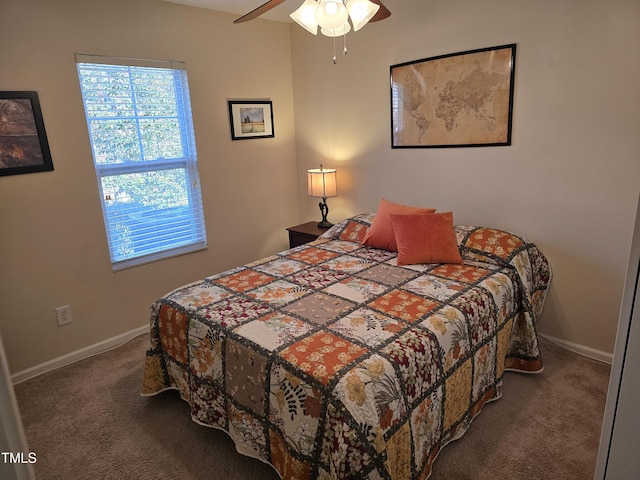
118, 340
580, 349
81, 354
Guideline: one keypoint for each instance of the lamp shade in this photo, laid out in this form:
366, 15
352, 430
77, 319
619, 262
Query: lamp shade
305, 16
360, 12
322, 182
336, 32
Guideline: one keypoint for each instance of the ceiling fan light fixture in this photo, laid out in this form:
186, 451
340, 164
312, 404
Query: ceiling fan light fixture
305, 16
360, 12
331, 14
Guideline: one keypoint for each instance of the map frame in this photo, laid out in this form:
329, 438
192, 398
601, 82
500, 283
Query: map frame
462, 99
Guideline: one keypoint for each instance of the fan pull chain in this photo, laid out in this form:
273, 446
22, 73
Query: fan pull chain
344, 48
335, 60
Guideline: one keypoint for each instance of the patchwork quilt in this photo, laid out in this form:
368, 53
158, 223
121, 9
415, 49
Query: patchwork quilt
330, 361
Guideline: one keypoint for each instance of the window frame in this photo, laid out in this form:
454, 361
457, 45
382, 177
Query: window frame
187, 162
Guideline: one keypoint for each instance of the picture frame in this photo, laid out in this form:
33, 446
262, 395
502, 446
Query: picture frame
24, 147
460, 99
251, 119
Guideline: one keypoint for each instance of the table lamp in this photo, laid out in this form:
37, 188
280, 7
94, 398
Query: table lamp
322, 183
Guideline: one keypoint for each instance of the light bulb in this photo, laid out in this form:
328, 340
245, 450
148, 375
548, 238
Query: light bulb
330, 8
331, 14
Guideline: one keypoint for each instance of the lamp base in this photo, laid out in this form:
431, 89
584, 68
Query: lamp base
324, 210
325, 224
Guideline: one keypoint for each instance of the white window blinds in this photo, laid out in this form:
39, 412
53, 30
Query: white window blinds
141, 133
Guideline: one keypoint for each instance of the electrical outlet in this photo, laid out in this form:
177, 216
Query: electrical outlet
64, 315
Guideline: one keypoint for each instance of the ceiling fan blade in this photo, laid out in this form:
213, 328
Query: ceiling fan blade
382, 13
255, 13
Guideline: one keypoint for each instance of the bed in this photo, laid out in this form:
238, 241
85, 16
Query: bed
332, 361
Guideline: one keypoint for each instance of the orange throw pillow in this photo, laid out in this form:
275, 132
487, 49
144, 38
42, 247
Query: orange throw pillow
426, 238
381, 234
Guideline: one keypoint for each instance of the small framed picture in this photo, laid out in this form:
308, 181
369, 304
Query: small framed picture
23, 141
251, 119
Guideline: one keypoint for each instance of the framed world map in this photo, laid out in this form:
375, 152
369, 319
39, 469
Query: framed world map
457, 100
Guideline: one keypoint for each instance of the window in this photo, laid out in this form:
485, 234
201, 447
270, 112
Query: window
141, 134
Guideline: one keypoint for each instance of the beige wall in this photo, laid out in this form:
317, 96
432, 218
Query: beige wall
569, 182
53, 246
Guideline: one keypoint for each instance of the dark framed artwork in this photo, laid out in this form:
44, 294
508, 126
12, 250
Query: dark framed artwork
457, 100
251, 119
23, 141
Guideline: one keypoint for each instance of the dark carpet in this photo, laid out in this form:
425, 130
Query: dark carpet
88, 421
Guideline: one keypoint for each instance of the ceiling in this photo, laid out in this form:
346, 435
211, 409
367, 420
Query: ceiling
240, 7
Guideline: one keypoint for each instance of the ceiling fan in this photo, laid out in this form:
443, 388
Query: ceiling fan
382, 13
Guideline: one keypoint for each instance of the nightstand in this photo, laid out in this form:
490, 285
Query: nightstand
304, 233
